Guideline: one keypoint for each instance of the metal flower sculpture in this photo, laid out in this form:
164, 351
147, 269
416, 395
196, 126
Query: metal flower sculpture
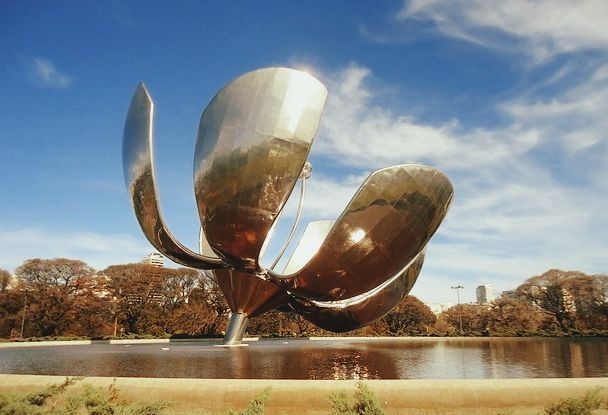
253, 141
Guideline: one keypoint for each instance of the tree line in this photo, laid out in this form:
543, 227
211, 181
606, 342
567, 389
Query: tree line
66, 297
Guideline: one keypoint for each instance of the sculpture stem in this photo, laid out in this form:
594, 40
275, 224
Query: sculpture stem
236, 329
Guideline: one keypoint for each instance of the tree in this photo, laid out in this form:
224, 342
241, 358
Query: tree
510, 316
11, 312
267, 324
63, 273
10, 303
410, 317
180, 284
466, 319
196, 318
93, 309
5, 279
208, 291
590, 294
138, 291
159, 301
569, 299
51, 286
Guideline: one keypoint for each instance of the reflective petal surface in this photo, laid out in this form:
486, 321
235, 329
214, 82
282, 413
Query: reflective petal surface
138, 171
249, 294
346, 315
253, 140
385, 226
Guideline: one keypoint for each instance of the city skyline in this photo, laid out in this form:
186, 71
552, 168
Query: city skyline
510, 106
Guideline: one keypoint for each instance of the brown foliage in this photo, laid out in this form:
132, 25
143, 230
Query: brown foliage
52, 287
137, 292
153, 300
5, 279
411, 317
63, 273
267, 324
568, 299
508, 316
11, 303
64, 296
11, 311
466, 319
195, 319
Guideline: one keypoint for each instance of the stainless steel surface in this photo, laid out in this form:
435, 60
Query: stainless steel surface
385, 226
252, 144
138, 169
253, 140
236, 329
245, 293
359, 311
249, 294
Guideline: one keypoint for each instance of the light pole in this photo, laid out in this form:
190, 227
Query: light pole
23, 318
458, 288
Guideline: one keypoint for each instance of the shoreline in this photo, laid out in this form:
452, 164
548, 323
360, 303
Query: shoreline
33, 343
311, 397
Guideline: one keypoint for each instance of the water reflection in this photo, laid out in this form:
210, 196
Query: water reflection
327, 359
320, 360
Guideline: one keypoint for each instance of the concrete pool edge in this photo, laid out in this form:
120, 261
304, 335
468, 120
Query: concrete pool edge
45, 343
11, 344
413, 396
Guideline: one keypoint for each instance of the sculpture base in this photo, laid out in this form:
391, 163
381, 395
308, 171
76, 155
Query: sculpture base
236, 330
231, 345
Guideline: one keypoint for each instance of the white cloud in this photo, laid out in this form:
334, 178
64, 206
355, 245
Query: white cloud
44, 73
543, 28
99, 251
328, 196
357, 131
575, 116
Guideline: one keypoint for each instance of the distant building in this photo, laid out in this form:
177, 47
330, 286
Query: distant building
485, 294
155, 259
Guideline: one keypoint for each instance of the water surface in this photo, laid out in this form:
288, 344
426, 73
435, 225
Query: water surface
424, 358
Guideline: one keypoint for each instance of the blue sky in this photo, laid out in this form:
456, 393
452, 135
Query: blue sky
509, 98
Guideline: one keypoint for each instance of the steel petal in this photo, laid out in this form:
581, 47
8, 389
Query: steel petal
386, 224
346, 315
253, 140
138, 169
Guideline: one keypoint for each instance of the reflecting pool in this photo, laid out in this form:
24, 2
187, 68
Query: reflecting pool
399, 358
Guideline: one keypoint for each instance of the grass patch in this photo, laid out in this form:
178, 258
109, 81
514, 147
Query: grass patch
94, 400
256, 406
362, 402
582, 406
88, 400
